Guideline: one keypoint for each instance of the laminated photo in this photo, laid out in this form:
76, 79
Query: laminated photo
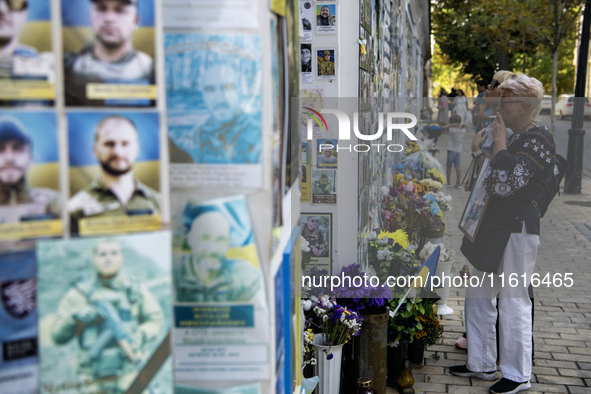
213, 90
326, 154
114, 161
18, 331
326, 64
305, 172
316, 250
326, 20
105, 313
108, 53
306, 61
27, 73
30, 204
307, 16
324, 188
219, 286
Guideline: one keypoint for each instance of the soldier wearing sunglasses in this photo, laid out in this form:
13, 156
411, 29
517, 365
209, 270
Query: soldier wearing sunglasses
18, 61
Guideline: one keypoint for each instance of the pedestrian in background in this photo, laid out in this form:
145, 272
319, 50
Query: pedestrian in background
442, 104
454, 148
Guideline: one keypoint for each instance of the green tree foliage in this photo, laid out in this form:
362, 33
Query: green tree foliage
484, 36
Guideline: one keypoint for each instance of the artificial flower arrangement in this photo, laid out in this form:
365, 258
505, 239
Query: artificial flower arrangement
390, 253
338, 323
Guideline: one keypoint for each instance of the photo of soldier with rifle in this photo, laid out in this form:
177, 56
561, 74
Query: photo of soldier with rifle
117, 323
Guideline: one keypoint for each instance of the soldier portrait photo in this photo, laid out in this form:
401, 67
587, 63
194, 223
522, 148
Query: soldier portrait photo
317, 233
29, 175
325, 63
214, 97
105, 314
218, 261
25, 45
114, 166
108, 42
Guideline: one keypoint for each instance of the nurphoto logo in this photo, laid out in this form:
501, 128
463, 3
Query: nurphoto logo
345, 129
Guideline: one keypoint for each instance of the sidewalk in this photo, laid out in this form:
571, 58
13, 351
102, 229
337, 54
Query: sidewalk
562, 324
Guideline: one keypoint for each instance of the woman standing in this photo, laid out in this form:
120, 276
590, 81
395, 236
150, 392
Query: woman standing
442, 104
515, 180
461, 106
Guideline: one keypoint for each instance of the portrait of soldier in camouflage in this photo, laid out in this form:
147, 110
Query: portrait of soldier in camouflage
18, 200
116, 191
112, 317
111, 56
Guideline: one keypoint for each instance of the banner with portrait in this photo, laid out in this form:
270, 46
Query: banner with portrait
213, 95
30, 205
221, 313
19, 363
114, 172
324, 186
109, 51
105, 313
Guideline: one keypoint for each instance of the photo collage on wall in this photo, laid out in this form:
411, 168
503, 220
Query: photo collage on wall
80, 170
317, 19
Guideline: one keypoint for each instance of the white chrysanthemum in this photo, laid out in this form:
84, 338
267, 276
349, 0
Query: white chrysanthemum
372, 236
307, 305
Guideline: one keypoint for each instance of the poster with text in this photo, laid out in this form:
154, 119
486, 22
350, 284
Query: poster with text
213, 90
27, 70
311, 99
114, 168
30, 205
324, 186
317, 253
221, 312
18, 332
307, 16
105, 313
109, 52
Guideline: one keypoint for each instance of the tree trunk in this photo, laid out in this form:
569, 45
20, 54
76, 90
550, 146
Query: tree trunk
554, 75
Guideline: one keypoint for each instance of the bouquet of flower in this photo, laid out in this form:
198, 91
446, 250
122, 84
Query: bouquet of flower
390, 253
445, 255
431, 330
431, 186
409, 319
360, 295
337, 323
309, 355
411, 147
443, 200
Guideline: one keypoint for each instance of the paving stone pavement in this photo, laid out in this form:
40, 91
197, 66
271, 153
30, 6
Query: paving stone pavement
562, 323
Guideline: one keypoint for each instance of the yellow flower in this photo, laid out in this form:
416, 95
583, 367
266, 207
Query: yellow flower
401, 238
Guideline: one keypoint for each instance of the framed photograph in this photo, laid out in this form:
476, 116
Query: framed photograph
476, 206
326, 155
317, 231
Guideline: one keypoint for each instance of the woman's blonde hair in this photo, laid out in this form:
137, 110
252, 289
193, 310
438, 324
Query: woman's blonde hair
523, 86
503, 75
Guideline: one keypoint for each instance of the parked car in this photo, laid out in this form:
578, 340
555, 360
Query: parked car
566, 103
546, 105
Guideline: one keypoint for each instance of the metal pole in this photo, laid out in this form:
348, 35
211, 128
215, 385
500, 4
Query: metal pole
573, 178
